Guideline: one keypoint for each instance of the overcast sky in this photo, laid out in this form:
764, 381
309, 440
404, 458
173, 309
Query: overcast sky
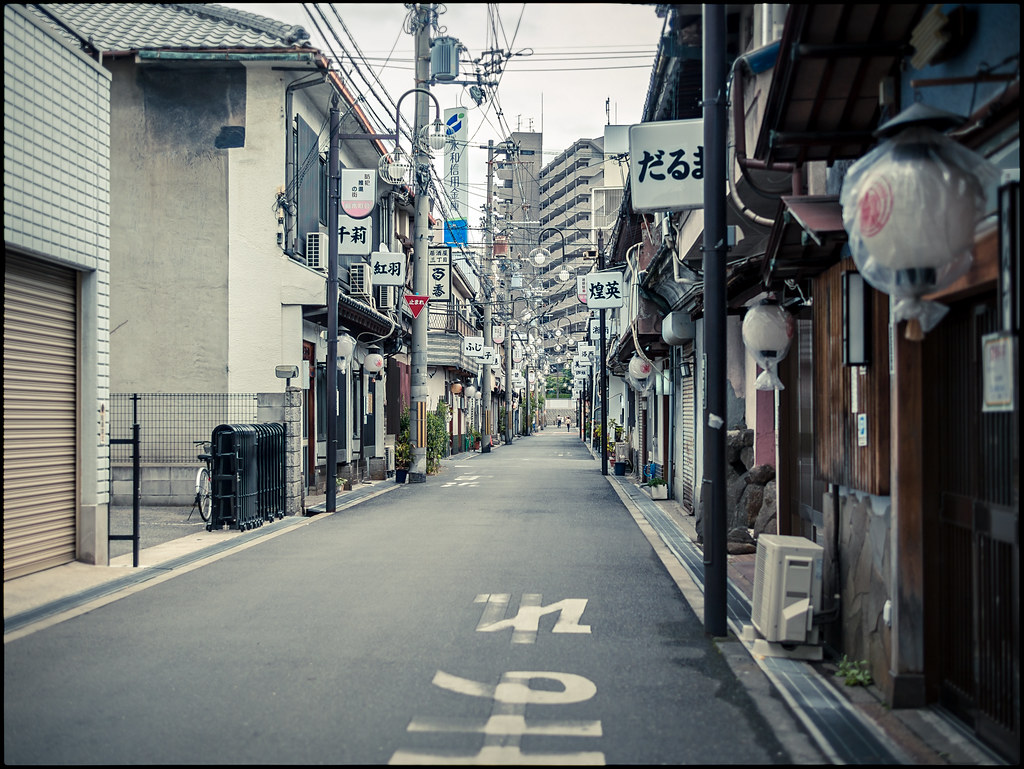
575, 67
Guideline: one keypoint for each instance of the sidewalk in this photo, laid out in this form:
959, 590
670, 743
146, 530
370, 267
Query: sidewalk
914, 736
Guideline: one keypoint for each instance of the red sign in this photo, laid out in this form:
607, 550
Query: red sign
416, 303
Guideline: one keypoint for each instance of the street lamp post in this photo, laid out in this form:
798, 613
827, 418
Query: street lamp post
394, 170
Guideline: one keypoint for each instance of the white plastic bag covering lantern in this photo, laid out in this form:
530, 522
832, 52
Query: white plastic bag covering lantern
639, 367
767, 333
910, 207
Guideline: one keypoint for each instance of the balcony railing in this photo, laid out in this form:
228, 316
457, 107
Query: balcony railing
451, 322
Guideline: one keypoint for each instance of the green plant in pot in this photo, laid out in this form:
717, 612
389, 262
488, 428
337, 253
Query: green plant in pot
403, 448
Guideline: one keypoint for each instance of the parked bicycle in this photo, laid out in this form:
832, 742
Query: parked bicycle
204, 486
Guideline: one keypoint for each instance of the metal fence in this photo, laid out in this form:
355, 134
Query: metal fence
172, 422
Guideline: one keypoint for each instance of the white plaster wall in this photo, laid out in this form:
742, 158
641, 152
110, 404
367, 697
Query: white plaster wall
266, 288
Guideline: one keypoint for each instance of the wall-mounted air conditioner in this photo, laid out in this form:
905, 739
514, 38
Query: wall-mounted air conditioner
385, 297
316, 250
359, 277
787, 589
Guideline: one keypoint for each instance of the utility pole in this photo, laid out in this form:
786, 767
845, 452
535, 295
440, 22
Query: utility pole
421, 161
331, 406
485, 377
604, 365
715, 404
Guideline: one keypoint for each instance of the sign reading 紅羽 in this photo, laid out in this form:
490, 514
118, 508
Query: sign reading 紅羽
388, 268
666, 165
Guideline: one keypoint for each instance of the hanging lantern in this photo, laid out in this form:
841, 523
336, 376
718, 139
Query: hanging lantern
373, 362
640, 368
767, 333
910, 207
471, 392
395, 168
455, 388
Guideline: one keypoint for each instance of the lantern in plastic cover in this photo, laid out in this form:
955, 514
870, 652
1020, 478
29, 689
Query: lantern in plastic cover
639, 367
910, 207
767, 333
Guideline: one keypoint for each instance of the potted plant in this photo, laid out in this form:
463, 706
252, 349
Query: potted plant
403, 448
657, 488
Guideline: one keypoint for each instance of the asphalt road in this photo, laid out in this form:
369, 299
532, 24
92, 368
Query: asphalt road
508, 610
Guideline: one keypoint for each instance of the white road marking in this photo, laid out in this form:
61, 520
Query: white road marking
526, 624
507, 723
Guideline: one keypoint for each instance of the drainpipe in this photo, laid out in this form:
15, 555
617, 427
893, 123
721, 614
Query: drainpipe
290, 182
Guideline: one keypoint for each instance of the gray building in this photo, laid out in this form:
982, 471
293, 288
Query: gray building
56, 297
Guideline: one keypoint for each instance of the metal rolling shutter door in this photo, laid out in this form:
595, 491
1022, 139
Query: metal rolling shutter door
40, 398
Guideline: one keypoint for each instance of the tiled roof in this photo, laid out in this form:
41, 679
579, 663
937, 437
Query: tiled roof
177, 26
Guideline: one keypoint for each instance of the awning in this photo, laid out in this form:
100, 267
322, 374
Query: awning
807, 238
823, 103
352, 314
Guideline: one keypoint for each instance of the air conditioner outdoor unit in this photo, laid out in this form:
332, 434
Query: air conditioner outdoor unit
787, 589
385, 297
316, 250
359, 277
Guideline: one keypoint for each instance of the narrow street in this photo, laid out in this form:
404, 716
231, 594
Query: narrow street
509, 610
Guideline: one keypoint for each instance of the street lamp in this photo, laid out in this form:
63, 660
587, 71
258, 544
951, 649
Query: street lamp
394, 168
540, 255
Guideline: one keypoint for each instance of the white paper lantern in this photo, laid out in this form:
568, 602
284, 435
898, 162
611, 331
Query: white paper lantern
470, 391
767, 333
910, 208
373, 362
640, 368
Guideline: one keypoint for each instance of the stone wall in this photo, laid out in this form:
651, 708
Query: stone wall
750, 495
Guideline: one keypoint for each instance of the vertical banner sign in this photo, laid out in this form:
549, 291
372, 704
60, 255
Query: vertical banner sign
581, 288
358, 192
439, 277
456, 173
666, 165
355, 236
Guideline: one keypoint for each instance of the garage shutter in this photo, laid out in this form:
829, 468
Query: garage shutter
40, 436
688, 458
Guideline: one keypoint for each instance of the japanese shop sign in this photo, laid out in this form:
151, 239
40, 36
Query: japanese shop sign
358, 191
388, 268
666, 165
456, 173
489, 357
354, 235
439, 273
604, 290
473, 346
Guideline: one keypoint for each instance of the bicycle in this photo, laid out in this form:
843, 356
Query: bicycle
204, 487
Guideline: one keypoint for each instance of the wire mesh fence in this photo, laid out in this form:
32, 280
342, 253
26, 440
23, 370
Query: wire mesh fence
170, 423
